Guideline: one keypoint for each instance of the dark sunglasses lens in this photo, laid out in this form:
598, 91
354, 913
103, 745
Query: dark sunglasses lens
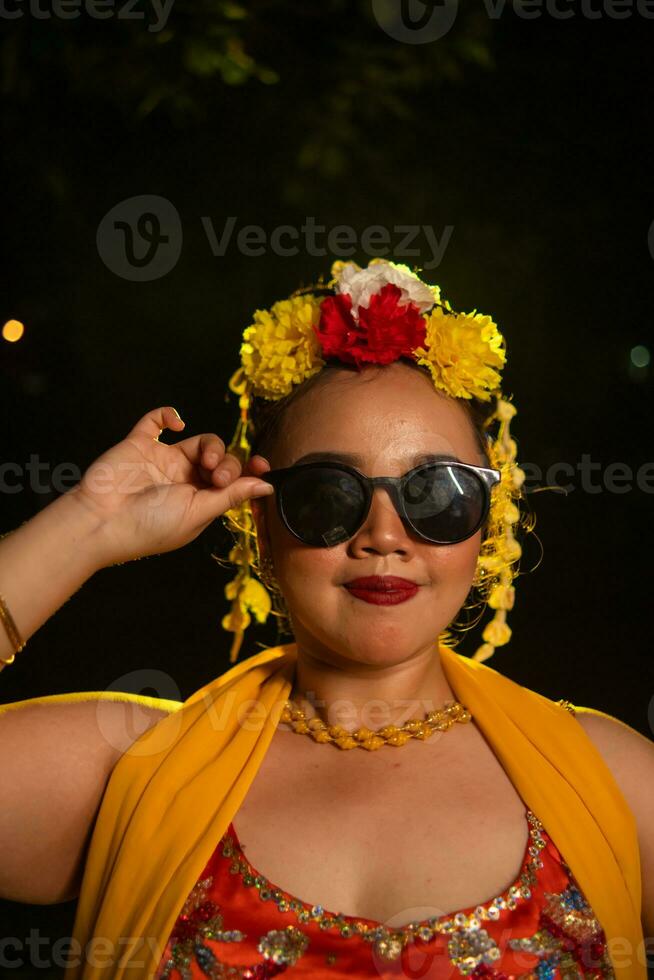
322, 505
445, 503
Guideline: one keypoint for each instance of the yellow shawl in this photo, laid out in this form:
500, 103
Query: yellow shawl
172, 795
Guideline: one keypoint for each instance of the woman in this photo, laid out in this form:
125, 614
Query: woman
510, 839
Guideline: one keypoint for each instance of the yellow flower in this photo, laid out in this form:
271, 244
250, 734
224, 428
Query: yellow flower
464, 353
237, 555
236, 620
257, 599
497, 633
491, 563
280, 349
502, 597
511, 549
248, 595
505, 410
519, 477
505, 510
485, 652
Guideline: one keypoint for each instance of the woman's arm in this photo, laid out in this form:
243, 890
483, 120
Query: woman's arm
630, 757
43, 562
142, 497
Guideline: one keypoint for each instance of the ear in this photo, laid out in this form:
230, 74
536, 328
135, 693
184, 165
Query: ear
258, 508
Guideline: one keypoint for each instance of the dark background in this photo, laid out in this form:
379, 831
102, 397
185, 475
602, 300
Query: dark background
531, 138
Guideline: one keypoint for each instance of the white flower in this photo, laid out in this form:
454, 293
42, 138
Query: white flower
361, 284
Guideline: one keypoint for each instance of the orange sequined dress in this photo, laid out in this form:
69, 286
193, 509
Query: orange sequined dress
236, 923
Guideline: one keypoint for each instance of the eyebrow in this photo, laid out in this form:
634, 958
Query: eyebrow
355, 460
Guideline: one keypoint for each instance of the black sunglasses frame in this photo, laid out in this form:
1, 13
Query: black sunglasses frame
487, 477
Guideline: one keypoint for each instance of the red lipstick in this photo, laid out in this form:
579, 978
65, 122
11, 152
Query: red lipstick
382, 590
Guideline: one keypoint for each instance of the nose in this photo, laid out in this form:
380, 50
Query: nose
383, 530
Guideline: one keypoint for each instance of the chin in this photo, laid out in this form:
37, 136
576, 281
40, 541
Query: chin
378, 644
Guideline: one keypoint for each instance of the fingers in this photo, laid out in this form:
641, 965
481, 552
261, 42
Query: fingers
229, 468
207, 452
217, 466
154, 422
256, 466
212, 503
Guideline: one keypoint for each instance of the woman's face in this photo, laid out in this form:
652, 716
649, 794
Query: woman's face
384, 418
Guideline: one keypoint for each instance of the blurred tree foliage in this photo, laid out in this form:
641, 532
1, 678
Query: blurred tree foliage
329, 66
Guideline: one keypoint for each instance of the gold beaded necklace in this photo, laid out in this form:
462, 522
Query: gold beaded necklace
363, 738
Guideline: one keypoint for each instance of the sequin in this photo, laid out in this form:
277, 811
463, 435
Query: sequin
283, 945
469, 947
201, 920
540, 928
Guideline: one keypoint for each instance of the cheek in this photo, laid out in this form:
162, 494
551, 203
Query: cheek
452, 568
457, 559
296, 565
300, 566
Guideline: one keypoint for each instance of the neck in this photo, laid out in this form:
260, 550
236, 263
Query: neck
355, 695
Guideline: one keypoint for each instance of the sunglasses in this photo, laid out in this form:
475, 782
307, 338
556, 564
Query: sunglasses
324, 504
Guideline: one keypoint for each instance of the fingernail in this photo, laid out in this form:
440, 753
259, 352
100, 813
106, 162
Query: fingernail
264, 491
177, 414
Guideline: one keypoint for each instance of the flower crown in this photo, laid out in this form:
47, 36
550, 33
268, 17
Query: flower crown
375, 316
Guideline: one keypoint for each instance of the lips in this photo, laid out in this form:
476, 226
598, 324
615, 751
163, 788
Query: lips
382, 590
381, 583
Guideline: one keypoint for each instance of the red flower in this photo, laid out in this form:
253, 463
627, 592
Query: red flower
385, 331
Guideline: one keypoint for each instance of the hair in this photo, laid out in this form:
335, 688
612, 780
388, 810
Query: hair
268, 416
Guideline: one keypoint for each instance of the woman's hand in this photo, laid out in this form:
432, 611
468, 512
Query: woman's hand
150, 497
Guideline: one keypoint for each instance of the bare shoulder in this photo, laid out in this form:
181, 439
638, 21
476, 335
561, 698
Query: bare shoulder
628, 754
630, 757
109, 720
622, 747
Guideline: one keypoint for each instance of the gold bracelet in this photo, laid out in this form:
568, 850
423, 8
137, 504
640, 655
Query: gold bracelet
12, 631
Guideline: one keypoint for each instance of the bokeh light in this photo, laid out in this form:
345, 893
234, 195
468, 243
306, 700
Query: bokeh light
13, 330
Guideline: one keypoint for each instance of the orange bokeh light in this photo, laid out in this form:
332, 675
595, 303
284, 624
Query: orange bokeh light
13, 330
